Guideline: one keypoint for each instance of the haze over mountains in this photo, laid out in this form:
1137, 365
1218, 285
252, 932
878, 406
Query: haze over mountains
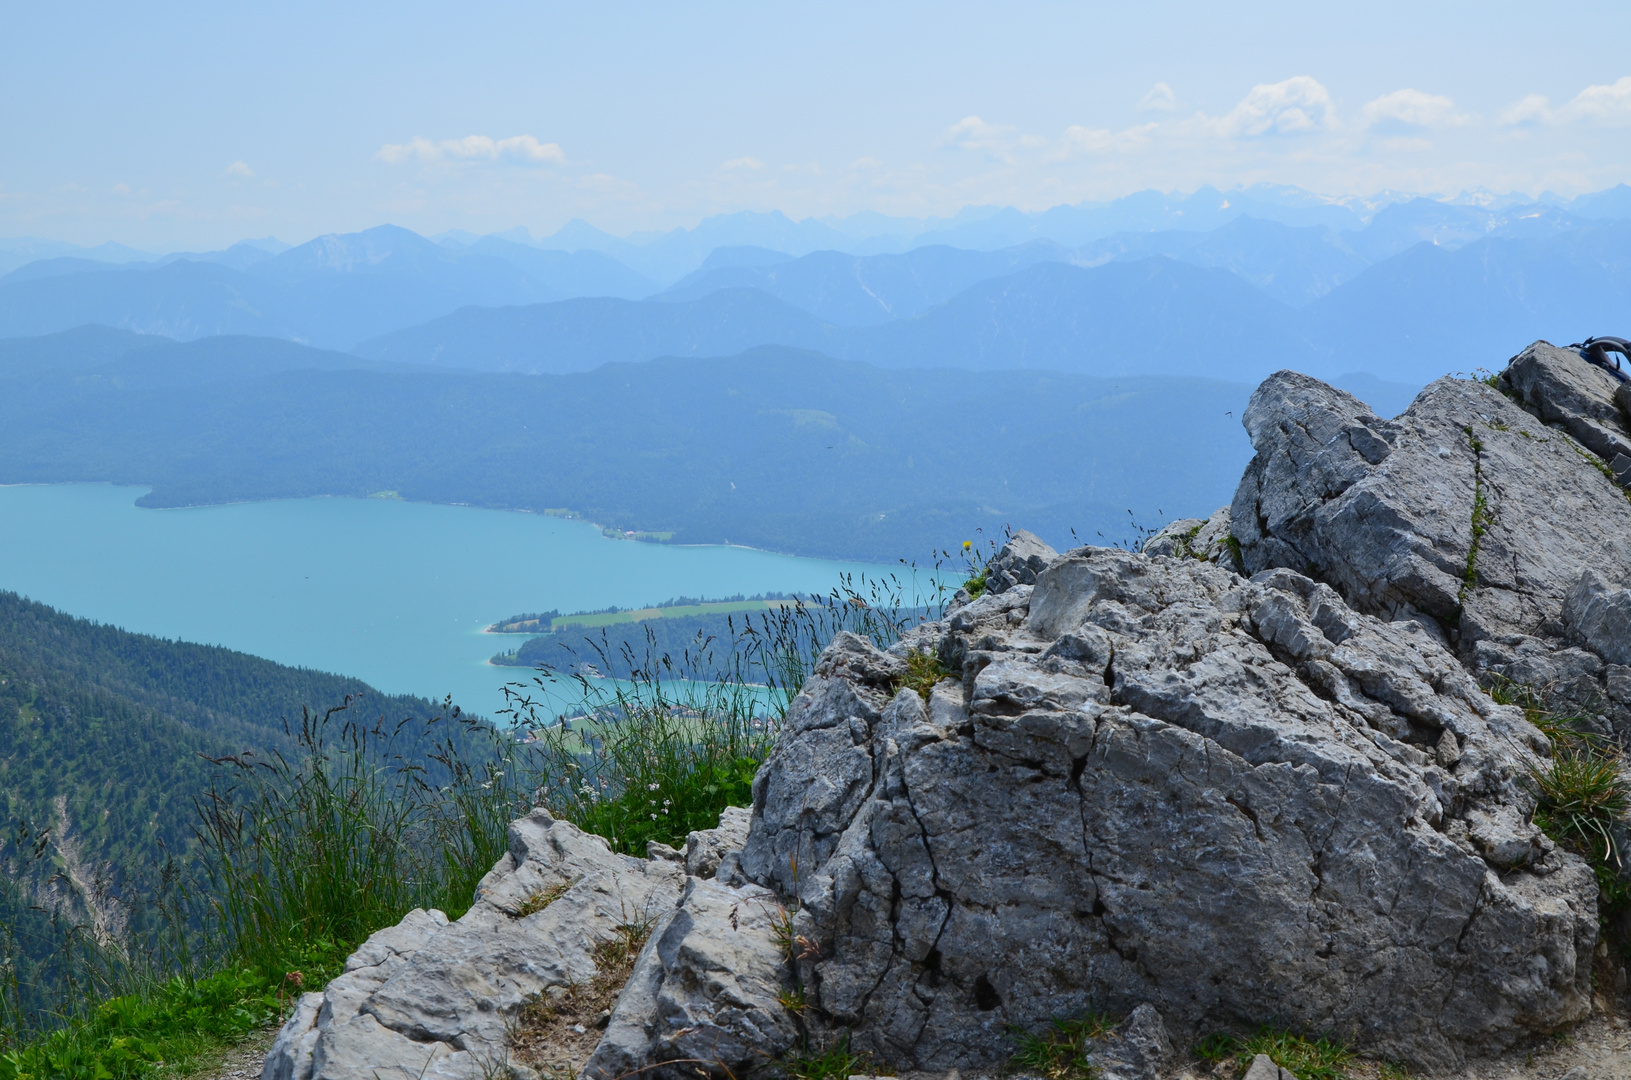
790, 385
1229, 285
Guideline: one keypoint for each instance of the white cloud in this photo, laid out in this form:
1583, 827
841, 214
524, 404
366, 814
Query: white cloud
1413, 109
996, 141
1606, 103
1533, 109
240, 170
525, 149
1609, 103
743, 163
1078, 140
1159, 99
1296, 106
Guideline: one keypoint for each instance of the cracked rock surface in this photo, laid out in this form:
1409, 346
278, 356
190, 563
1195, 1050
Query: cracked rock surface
1150, 780
705, 991
429, 998
1385, 511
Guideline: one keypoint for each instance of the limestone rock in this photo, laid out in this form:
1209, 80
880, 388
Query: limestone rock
293, 1054
705, 991
1152, 781
429, 998
705, 849
1138, 1049
290, 1055
1563, 389
1385, 511
1264, 1068
1600, 616
1193, 538
1022, 557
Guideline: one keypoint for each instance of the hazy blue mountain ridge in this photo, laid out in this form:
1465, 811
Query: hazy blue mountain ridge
568, 274
489, 304
583, 334
184, 299
1476, 305
1429, 310
866, 290
70, 351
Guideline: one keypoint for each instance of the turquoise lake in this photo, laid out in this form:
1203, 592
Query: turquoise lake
396, 594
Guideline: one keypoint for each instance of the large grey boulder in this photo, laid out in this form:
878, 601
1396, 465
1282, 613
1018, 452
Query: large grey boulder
1150, 780
1466, 513
1564, 390
431, 999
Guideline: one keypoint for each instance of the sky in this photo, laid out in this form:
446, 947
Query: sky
189, 126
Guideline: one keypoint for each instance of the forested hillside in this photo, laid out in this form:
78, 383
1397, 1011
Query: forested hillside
105, 738
779, 449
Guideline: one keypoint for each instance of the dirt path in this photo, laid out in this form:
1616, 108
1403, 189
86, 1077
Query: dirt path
240, 1062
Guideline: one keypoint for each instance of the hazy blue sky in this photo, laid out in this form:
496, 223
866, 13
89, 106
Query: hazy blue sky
191, 125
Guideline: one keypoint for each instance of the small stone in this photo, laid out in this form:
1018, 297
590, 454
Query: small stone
1022, 557
1262, 1068
656, 849
1448, 750
706, 849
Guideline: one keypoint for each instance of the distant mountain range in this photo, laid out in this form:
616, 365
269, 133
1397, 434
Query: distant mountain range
1425, 286
1422, 313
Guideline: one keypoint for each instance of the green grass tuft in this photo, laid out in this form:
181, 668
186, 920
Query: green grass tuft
1581, 791
923, 670
1480, 520
174, 1025
1310, 1059
541, 899
976, 584
837, 1062
1601, 466
1059, 1052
